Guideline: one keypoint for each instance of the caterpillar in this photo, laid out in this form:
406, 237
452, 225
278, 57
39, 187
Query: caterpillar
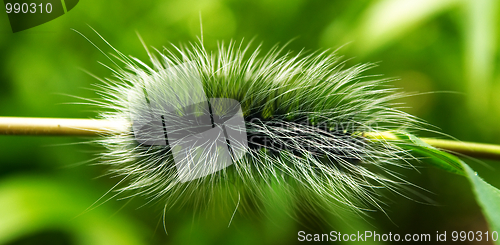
302, 120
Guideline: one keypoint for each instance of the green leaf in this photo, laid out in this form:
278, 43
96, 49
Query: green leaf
488, 198
433, 156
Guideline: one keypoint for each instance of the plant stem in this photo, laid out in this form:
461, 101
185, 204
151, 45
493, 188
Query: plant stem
472, 149
93, 127
60, 126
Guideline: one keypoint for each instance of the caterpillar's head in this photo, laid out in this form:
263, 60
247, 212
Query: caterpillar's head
213, 128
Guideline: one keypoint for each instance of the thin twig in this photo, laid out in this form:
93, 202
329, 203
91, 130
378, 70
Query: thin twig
472, 149
93, 127
59, 126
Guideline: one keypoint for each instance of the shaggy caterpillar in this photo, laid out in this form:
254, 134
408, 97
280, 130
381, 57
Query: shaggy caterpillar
303, 118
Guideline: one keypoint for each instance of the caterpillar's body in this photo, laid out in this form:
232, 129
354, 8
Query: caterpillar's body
303, 114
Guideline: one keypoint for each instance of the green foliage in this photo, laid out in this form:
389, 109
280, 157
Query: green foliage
30, 203
444, 45
430, 154
487, 196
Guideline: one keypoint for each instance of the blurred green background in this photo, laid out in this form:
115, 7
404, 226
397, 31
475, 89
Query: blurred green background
448, 50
